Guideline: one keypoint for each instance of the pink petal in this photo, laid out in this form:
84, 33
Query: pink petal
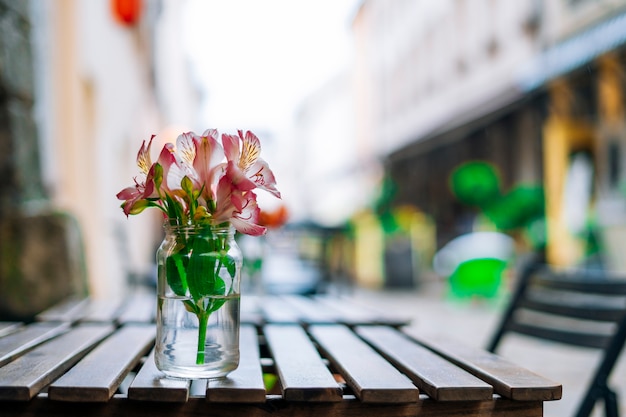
250, 150
248, 228
209, 156
128, 193
171, 168
186, 147
263, 177
143, 156
231, 147
239, 178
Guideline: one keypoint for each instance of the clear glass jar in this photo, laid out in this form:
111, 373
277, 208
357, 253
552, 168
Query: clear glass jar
199, 271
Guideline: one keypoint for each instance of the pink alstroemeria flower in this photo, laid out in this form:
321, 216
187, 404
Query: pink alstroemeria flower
245, 166
237, 207
173, 169
246, 218
203, 182
208, 162
135, 197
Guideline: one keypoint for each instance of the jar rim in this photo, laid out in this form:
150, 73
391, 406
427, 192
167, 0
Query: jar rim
174, 225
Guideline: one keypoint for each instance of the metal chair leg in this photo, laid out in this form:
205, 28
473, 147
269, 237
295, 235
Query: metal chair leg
611, 406
589, 401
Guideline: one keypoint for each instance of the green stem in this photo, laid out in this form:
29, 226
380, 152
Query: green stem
203, 319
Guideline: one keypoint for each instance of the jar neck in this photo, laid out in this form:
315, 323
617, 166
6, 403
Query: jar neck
173, 227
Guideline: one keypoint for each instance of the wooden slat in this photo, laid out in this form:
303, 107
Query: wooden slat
198, 388
150, 384
251, 309
507, 379
27, 337
276, 311
309, 311
139, 308
437, 377
303, 374
274, 407
348, 311
245, 384
355, 313
103, 310
7, 327
96, 377
23, 378
370, 376
70, 310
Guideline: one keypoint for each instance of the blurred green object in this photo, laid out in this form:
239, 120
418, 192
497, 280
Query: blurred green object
479, 277
518, 208
475, 183
269, 380
522, 208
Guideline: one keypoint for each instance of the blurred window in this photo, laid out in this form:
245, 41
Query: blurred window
614, 165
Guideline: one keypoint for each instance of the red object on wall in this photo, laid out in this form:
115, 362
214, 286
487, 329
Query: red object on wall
126, 12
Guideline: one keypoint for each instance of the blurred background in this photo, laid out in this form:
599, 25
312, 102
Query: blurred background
412, 140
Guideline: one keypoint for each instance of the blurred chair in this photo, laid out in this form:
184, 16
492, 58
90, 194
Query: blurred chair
585, 308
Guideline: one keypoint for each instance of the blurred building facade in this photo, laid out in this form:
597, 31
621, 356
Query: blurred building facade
97, 78
528, 86
336, 176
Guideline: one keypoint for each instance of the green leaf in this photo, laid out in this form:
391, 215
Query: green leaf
174, 209
139, 206
176, 275
201, 269
187, 186
158, 175
230, 264
220, 289
192, 308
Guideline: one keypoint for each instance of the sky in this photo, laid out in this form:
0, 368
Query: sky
256, 60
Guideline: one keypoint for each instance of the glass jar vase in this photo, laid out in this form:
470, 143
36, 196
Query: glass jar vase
199, 271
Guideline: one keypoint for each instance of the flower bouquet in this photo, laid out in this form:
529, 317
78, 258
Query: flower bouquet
205, 191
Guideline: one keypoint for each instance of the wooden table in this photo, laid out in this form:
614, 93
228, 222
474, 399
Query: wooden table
329, 356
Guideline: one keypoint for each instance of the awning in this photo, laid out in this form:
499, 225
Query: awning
573, 53
558, 60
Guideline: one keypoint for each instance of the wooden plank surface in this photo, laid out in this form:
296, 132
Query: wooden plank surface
309, 311
245, 384
97, 376
351, 312
150, 384
71, 310
7, 327
276, 407
507, 379
23, 378
370, 376
440, 379
308, 387
274, 310
251, 310
103, 310
140, 307
27, 337
303, 374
